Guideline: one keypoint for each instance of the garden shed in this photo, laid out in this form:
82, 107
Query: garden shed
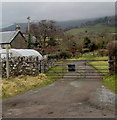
21, 53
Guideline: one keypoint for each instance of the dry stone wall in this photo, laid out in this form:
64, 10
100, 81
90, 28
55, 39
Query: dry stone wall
26, 66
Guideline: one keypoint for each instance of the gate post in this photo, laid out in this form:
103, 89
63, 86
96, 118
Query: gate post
112, 49
111, 65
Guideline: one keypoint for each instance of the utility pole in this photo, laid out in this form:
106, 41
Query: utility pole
29, 36
28, 18
7, 60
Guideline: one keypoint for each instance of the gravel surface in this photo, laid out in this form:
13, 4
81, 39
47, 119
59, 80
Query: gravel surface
106, 97
76, 95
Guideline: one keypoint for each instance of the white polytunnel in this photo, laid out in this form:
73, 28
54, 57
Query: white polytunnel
20, 53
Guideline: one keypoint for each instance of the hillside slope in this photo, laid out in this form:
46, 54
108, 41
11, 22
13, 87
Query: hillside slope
62, 24
96, 24
91, 29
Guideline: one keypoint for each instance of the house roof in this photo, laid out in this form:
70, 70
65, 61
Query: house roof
8, 36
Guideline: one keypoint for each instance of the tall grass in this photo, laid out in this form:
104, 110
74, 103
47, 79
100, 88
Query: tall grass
20, 84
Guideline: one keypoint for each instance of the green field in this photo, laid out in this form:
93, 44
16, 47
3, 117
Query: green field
101, 66
90, 56
95, 28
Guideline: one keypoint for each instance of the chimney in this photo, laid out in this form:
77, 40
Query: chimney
17, 27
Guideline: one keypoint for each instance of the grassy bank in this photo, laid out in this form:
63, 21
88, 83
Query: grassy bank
23, 83
110, 81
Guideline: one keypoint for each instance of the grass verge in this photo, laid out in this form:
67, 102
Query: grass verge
20, 84
110, 81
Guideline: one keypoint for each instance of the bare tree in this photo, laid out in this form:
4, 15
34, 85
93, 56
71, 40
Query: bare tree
46, 32
72, 43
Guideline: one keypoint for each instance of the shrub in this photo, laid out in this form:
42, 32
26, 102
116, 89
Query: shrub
92, 46
64, 55
85, 50
103, 52
53, 56
86, 42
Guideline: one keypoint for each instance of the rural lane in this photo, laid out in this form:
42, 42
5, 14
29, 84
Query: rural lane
69, 97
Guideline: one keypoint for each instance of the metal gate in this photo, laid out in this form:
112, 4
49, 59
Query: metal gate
83, 69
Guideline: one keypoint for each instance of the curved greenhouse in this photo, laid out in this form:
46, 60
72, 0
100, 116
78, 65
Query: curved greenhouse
21, 53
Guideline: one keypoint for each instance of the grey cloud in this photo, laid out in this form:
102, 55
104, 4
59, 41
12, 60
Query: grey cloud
60, 11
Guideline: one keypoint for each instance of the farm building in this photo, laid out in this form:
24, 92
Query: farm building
21, 53
15, 39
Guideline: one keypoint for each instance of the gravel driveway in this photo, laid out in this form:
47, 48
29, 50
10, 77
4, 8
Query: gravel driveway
72, 96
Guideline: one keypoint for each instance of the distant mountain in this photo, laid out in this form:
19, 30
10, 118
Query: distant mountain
108, 21
72, 23
62, 25
66, 25
12, 27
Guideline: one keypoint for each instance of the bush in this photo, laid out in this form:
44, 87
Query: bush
85, 50
60, 55
103, 52
92, 46
53, 56
86, 42
64, 55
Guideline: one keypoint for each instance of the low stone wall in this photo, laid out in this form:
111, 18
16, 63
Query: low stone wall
26, 66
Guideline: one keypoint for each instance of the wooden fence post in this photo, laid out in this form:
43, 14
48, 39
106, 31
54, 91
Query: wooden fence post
7, 60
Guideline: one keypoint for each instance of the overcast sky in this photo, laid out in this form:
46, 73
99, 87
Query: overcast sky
14, 12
